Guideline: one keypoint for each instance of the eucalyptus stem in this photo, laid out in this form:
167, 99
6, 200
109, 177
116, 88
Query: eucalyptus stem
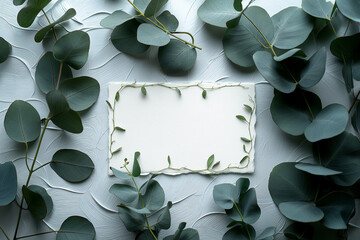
47, 18
3, 231
333, 28
26, 155
41, 166
354, 102
242, 218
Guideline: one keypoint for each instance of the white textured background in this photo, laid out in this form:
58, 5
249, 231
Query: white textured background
193, 193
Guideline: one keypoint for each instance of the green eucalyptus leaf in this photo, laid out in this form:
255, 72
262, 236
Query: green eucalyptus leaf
150, 35
169, 21
38, 201
177, 233
347, 72
133, 221
136, 167
18, 2
153, 7
218, 13
125, 192
73, 49
45, 196
299, 231
314, 70
240, 232
330, 122
22, 122
301, 211
210, 161
295, 52
318, 8
47, 73
42, 33
8, 183
242, 185
291, 113
355, 119
146, 235
338, 209
342, 154
349, 8
241, 42
204, 93
346, 47
124, 38
238, 5
143, 211
267, 234
61, 114
81, 92
184, 234
116, 18
288, 184
141, 4
164, 219
27, 15
315, 169
292, 27
154, 197
240, 117
72, 165
273, 72
176, 57
143, 90
76, 228
225, 195
120, 175
5, 49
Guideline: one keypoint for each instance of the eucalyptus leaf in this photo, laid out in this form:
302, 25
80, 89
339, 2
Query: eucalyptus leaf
143, 90
355, 119
169, 21
225, 195
116, 18
73, 49
124, 38
38, 201
347, 72
47, 73
141, 4
154, 197
70, 13
76, 228
136, 171
292, 26
18, 2
72, 165
301, 211
349, 9
241, 42
184, 234
210, 161
316, 169
143, 211
267, 234
5, 49
8, 183
240, 232
176, 57
318, 8
295, 52
314, 70
203, 94
164, 219
125, 192
242, 185
120, 175
218, 13
299, 231
346, 47
133, 221
81, 92
153, 7
22, 122
151, 35
238, 5
45, 196
146, 235
27, 15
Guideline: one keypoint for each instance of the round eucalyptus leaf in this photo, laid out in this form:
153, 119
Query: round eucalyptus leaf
218, 13
314, 70
316, 169
224, 195
296, 52
267, 234
300, 211
154, 197
76, 228
288, 184
8, 183
18, 2
124, 38
346, 47
70, 13
116, 18
141, 4
338, 209
5, 49
176, 57
164, 219
153, 7
169, 21
125, 192
242, 185
45, 196
72, 165
47, 73
27, 15
318, 8
292, 27
133, 221
330, 122
73, 49
81, 92
342, 154
240, 232
291, 113
241, 42
273, 72
150, 35
22, 122
38, 200
349, 8
120, 175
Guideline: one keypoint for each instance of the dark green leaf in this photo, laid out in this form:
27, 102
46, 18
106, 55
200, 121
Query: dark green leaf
241, 42
164, 219
238, 5
38, 201
215, 165
240, 232
224, 195
204, 93
210, 161
245, 140
242, 185
347, 73
318, 8
27, 15
120, 175
240, 117
120, 129
109, 104
73, 49
316, 169
81, 92
117, 96
314, 70
8, 183
349, 8
267, 234
169, 160
42, 33
184, 234
133, 221
301, 211
150, 35
346, 47
125, 192
5, 49
153, 7
22, 122
169, 21
76, 228
299, 231
47, 73
296, 52
116, 18
248, 107
243, 159
117, 150
176, 57
355, 119
18, 2
143, 90
136, 171
154, 197
72, 165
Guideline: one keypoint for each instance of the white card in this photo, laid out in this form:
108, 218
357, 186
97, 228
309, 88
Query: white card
177, 127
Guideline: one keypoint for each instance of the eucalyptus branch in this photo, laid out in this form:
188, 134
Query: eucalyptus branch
242, 218
47, 18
